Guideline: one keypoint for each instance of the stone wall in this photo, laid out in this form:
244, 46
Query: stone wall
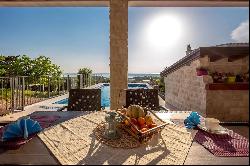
228, 105
186, 91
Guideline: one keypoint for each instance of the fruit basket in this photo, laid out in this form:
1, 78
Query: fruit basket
142, 123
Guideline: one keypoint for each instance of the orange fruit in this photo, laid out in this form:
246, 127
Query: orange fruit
141, 121
144, 129
134, 121
143, 126
127, 122
153, 125
148, 119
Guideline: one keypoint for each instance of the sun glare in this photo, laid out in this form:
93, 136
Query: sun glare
163, 31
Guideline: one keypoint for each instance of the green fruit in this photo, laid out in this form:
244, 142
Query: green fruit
134, 112
141, 112
129, 112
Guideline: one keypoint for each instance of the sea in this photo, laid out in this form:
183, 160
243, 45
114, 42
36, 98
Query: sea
130, 75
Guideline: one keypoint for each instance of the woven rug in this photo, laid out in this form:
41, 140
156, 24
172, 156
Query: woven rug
229, 145
44, 121
74, 142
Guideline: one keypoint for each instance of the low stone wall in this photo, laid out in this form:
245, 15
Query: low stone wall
228, 105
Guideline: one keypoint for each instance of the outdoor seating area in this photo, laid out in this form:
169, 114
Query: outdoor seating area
97, 136
116, 82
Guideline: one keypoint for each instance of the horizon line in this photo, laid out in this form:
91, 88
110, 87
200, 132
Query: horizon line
108, 73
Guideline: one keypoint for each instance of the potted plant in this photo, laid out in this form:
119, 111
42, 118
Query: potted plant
219, 77
215, 77
231, 78
246, 77
239, 78
201, 71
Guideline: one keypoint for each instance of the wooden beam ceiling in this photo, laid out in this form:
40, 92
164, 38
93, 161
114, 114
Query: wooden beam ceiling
232, 53
132, 3
188, 3
55, 3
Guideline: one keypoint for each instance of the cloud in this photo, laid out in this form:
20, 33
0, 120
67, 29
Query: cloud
241, 33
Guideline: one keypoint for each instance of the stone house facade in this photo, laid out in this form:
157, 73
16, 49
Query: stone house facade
184, 90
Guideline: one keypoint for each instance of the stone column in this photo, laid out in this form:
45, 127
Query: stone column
118, 16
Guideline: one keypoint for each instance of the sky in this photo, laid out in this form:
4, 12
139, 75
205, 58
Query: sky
75, 37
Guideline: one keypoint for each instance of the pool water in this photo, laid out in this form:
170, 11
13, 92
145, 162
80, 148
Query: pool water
105, 93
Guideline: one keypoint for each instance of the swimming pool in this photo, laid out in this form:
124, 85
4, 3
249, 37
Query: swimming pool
105, 93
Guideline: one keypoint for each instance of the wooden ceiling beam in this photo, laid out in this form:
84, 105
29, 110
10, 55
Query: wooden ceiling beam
188, 3
54, 3
132, 3
234, 58
232, 53
215, 58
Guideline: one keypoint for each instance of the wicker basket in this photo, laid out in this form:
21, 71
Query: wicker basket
145, 136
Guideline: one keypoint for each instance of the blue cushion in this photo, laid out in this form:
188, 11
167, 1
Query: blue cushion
22, 128
192, 120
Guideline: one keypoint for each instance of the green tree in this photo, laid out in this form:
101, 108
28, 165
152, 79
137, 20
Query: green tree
7, 65
25, 66
42, 66
85, 71
162, 85
22, 66
87, 76
2, 67
37, 69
